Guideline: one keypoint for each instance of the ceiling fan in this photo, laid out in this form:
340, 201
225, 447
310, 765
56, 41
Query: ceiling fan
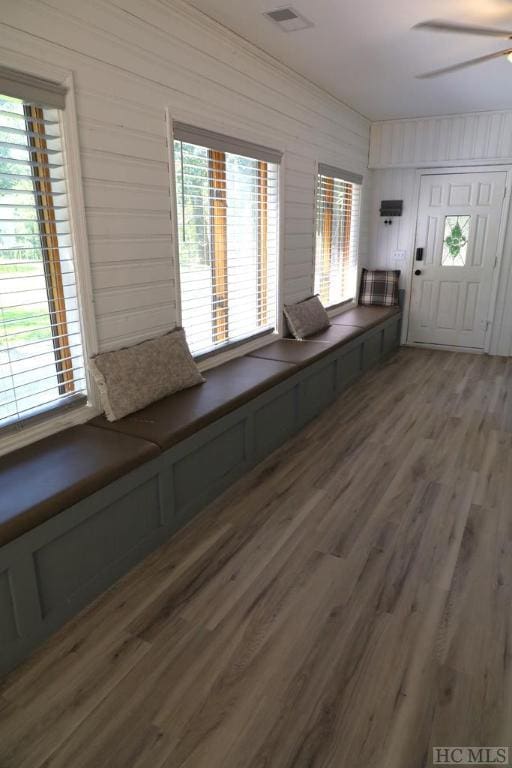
465, 29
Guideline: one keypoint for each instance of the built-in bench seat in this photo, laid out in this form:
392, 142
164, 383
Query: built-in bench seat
178, 416
344, 328
80, 508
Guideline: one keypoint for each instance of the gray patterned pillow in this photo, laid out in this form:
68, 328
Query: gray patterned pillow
306, 317
133, 377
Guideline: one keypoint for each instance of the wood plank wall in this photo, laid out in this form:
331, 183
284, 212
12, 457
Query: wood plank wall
473, 139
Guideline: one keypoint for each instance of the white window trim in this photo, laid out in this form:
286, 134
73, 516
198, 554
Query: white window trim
217, 358
46, 427
56, 422
340, 309
229, 127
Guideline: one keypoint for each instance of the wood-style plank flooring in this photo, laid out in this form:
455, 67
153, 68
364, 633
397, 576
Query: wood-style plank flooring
346, 604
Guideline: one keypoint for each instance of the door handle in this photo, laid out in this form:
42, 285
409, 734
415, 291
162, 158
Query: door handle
419, 254
417, 271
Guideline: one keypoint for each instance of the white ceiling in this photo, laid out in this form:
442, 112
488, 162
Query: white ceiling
364, 52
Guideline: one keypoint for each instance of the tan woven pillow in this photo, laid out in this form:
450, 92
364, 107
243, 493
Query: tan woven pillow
306, 317
133, 377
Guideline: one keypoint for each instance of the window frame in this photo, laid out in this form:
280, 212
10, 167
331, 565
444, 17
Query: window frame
237, 347
57, 417
334, 173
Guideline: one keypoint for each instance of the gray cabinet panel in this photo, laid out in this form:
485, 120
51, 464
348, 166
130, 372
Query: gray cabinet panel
8, 628
372, 348
349, 367
200, 474
274, 423
67, 563
391, 335
316, 392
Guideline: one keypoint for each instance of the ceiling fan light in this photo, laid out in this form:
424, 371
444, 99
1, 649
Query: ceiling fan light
509, 57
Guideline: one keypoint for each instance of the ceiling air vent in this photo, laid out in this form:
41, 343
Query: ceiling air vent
288, 19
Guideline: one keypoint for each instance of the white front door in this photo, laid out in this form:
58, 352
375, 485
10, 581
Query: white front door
458, 229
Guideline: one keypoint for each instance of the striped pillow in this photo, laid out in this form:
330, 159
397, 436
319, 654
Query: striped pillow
379, 286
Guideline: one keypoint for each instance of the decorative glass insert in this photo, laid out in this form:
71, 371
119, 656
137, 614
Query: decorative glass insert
455, 241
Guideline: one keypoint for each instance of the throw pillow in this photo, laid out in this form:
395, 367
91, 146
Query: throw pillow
306, 317
133, 377
379, 287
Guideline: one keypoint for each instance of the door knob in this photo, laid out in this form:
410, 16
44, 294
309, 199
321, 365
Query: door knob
417, 271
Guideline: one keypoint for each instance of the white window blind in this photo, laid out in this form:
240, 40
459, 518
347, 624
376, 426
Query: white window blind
227, 203
41, 360
338, 204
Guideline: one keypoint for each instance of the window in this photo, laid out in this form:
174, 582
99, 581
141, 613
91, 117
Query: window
227, 204
338, 202
41, 360
455, 241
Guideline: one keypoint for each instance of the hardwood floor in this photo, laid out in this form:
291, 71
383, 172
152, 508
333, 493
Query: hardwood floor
347, 604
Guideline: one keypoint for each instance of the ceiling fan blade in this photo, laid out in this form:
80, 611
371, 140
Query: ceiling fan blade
466, 29
464, 64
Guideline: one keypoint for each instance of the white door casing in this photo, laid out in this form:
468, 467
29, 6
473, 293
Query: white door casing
458, 227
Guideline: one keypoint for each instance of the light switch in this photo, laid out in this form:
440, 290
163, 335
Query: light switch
397, 260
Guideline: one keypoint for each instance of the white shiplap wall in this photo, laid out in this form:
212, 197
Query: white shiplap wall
131, 61
473, 139
399, 149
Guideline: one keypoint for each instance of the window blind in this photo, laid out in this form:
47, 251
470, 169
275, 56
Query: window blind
227, 204
31, 89
41, 358
338, 204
